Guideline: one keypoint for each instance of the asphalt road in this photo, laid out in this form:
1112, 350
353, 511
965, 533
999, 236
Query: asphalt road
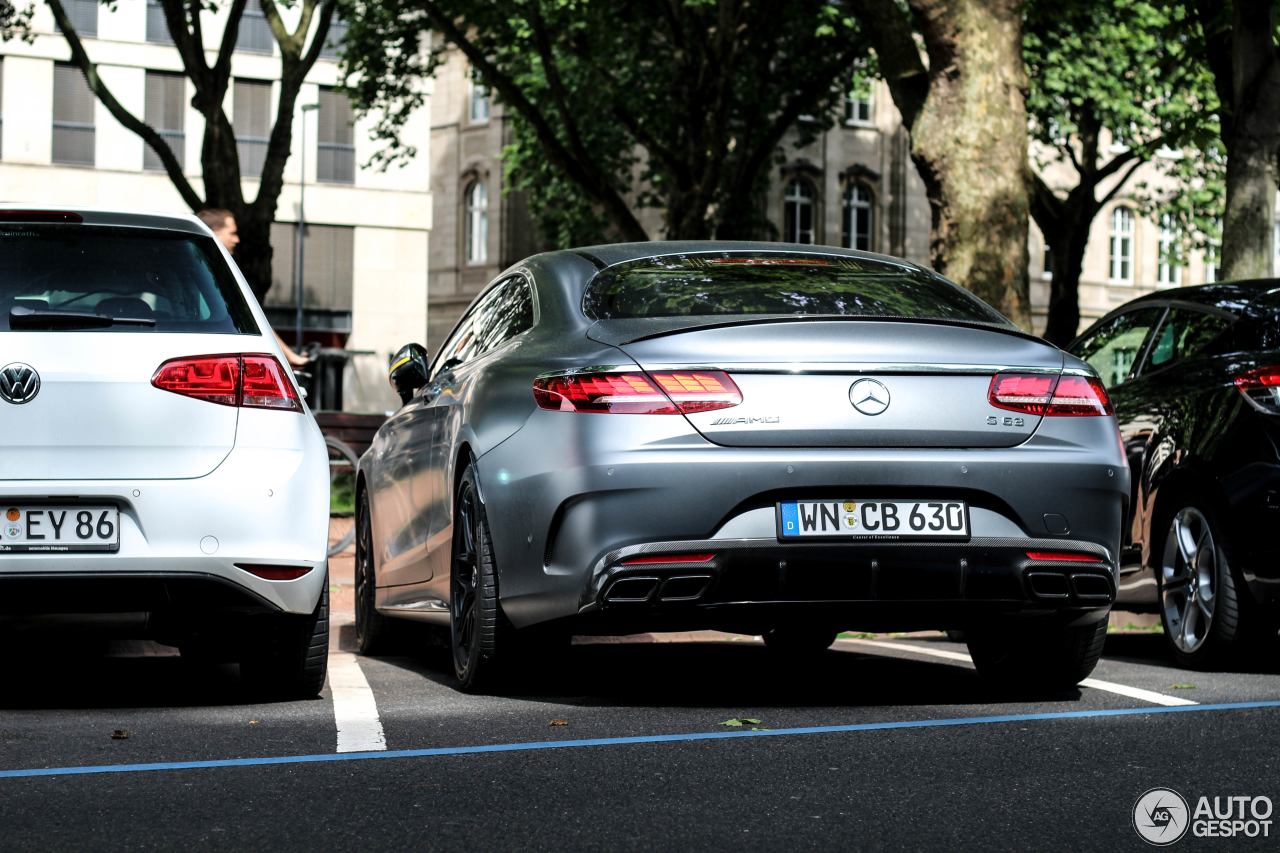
622, 746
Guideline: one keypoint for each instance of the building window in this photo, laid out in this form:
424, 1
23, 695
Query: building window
859, 104
797, 212
335, 146
1169, 270
165, 113
859, 217
252, 120
1122, 245
83, 15
328, 271
479, 111
1046, 265
333, 41
157, 27
73, 134
477, 222
254, 34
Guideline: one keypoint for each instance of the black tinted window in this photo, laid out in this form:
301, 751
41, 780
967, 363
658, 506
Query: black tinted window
1185, 334
1113, 347
177, 280
701, 285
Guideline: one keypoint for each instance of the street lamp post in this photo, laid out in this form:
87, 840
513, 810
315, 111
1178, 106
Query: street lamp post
302, 231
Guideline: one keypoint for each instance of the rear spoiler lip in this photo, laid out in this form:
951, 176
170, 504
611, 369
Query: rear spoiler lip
594, 332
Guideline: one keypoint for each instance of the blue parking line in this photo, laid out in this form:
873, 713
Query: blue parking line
527, 746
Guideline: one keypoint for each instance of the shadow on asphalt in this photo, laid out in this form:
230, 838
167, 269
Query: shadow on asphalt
101, 675
740, 674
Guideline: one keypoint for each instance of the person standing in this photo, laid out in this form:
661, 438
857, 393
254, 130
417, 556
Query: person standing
223, 225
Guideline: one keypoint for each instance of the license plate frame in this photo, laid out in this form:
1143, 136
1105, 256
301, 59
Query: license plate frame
789, 512
56, 527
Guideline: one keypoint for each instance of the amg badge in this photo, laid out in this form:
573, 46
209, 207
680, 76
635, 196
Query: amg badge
767, 419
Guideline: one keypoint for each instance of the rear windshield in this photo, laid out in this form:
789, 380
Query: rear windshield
170, 281
728, 284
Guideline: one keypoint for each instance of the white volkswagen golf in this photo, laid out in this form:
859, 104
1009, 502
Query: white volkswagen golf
161, 476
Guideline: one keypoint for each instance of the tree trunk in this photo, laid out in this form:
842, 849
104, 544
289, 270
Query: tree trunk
1068, 247
1248, 226
969, 143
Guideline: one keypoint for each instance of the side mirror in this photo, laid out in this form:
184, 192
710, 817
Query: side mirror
408, 370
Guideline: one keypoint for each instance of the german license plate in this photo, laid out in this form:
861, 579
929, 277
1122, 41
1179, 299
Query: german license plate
43, 527
873, 519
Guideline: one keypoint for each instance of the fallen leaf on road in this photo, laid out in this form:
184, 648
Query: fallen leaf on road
120, 734
253, 722
738, 722
1182, 686
559, 722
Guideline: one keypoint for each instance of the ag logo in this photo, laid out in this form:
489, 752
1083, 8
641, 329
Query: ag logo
1161, 817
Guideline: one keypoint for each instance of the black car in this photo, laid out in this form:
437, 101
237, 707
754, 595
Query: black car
1194, 375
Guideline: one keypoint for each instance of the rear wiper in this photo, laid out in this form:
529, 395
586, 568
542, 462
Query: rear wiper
23, 317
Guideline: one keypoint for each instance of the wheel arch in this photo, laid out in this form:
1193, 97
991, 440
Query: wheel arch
1181, 487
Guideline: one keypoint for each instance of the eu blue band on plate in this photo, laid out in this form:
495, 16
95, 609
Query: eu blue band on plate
790, 520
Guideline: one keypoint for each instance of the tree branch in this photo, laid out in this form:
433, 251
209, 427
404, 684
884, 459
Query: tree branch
583, 174
897, 55
122, 115
1124, 179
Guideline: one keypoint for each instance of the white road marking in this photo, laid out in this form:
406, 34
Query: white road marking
354, 710
1094, 683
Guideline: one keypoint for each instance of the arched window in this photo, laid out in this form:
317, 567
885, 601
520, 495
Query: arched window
859, 217
1122, 245
797, 212
477, 222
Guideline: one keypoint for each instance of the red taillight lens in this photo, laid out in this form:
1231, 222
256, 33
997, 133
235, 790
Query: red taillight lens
1262, 387
1046, 394
1062, 557
263, 385
637, 393
275, 573
253, 381
215, 378
702, 391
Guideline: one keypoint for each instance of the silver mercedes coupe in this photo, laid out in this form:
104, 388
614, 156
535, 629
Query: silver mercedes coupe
787, 441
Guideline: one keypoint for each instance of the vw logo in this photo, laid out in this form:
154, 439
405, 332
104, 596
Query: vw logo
19, 383
869, 396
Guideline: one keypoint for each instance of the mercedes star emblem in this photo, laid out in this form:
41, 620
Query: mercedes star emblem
869, 396
19, 383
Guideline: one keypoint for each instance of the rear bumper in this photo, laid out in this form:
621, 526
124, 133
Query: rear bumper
567, 495
749, 585
181, 540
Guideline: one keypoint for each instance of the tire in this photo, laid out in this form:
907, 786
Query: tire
373, 633
479, 636
796, 640
291, 654
1044, 656
1207, 622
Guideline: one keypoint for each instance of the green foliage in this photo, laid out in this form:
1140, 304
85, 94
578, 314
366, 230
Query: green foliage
15, 22
1124, 65
621, 104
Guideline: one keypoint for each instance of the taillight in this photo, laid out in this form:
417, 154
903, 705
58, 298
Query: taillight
253, 381
1067, 395
1261, 386
65, 216
637, 393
